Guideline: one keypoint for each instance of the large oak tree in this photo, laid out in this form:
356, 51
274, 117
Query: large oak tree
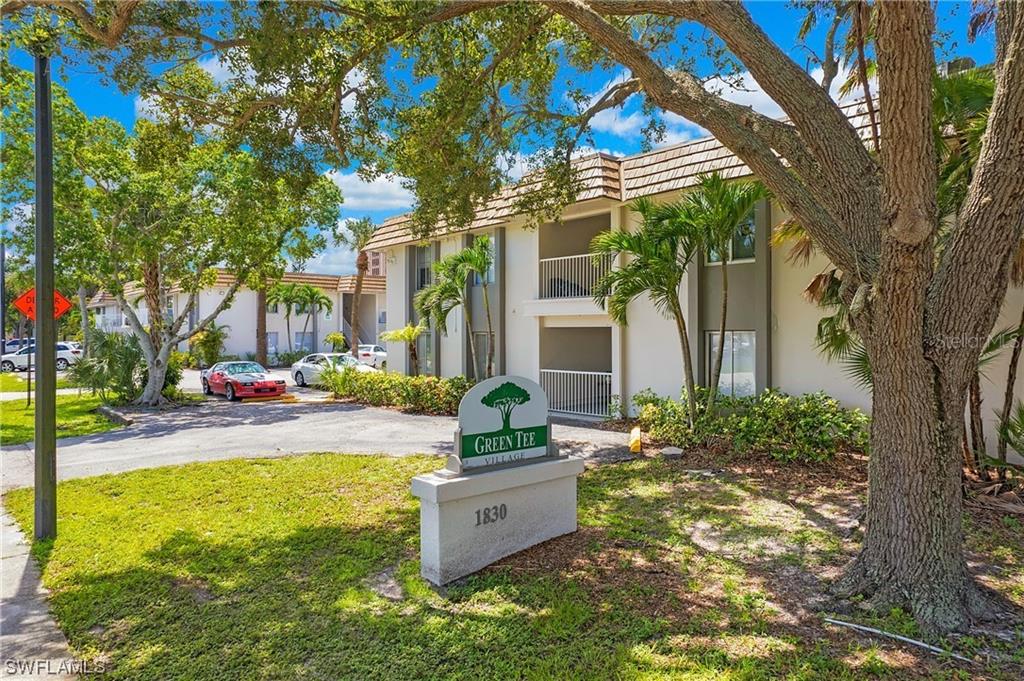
484, 74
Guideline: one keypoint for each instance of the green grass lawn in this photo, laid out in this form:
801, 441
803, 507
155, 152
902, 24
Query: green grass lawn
14, 383
268, 569
75, 416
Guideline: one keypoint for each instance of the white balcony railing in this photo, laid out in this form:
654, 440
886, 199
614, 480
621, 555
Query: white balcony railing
109, 322
584, 393
571, 276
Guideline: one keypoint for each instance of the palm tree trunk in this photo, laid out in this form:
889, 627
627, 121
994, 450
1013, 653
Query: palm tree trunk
490, 329
716, 371
1011, 381
288, 328
305, 328
414, 358
362, 264
261, 326
684, 342
862, 70
472, 339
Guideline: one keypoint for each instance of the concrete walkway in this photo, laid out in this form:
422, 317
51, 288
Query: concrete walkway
4, 397
31, 645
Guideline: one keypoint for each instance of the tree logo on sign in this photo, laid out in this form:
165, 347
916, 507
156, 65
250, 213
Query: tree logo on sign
505, 398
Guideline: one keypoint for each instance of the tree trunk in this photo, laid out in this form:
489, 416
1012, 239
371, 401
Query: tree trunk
716, 371
83, 310
414, 359
288, 329
977, 426
362, 265
490, 328
151, 292
1011, 381
684, 343
261, 326
156, 368
472, 339
912, 555
305, 328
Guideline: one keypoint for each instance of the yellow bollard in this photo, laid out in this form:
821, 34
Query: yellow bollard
634, 440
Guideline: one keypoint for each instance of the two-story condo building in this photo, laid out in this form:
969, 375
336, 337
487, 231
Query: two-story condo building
240, 316
549, 329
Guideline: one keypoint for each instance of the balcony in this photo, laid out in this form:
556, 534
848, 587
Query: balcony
571, 276
110, 322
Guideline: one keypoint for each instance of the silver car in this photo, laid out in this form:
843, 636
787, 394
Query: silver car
18, 360
307, 370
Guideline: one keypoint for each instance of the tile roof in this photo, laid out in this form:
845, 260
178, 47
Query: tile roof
327, 282
660, 170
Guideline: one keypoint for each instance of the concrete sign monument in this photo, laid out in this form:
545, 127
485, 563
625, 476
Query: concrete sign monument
505, 488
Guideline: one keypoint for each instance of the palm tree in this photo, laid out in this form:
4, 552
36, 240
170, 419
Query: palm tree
445, 293
286, 295
721, 208
478, 259
357, 236
408, 334
313, 301
658, 254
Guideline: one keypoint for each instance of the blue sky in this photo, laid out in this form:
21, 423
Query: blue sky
613, 131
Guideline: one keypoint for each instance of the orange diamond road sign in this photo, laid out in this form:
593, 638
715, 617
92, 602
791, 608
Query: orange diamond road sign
26, 303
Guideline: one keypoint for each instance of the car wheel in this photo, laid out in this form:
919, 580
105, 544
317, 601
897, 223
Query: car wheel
229, 392
300, 379
7, 366
62, 364
206, 387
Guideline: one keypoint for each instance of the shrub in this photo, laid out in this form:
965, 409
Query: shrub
418, 394
337, 340
114, 369
208, 344
810, 427
286, 359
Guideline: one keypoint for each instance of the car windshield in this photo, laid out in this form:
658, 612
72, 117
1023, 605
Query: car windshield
245, 368
341, 359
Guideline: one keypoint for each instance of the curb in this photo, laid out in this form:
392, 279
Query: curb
114, 415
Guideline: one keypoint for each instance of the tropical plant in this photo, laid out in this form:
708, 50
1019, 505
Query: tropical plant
418, 394
208, 344
721, 208
478, 260
313, 301
357, 235
337, 341
408, 334
446, 292
288, 297
114, 369
658, 253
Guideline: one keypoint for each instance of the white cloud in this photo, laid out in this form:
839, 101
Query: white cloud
334, 260
381, 193
145, 107
618, 123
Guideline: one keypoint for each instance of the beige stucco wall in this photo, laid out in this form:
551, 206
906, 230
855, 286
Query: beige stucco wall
397, 290
522, 331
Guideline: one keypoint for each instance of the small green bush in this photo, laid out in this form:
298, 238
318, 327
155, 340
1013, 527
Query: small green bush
418, 394
286, 359
811, 427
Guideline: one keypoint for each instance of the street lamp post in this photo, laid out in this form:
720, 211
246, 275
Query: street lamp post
46, 326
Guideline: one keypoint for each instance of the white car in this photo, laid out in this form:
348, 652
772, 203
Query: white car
374, 355
307, 370
18, 361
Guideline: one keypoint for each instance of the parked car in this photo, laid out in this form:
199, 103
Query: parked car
307, 370
236, 380
374, 355
13, 344
18, 361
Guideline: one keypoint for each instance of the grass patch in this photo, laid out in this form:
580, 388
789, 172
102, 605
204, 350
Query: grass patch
75, 416
14, 383
263, 569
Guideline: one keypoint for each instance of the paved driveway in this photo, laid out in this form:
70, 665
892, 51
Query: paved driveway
218, 429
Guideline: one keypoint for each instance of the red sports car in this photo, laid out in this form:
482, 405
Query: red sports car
236, 380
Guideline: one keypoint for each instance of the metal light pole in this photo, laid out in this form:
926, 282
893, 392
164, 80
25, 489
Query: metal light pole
46, 327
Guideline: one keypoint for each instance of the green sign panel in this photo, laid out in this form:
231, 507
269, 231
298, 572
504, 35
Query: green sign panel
501, 420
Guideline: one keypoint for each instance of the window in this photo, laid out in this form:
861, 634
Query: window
271, 308
272, 342
304, 341
301, 308
738, 362
424, 260
382, 318
425, 351
742, 245
169, 312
